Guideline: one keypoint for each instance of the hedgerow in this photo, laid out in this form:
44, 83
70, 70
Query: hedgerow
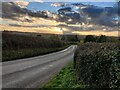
17, 46
98, 65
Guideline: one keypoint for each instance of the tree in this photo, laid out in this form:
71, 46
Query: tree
90, 38
70, 38
102, 39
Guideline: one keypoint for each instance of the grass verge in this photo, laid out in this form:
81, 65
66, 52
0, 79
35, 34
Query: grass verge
9, 55
65, 79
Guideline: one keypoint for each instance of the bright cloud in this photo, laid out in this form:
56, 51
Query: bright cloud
22, 4
34, 0
62, 0
11, 0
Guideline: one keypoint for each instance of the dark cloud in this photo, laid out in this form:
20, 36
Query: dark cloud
93, 11
98, 15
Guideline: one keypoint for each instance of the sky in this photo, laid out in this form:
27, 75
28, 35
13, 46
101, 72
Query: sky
72, 0
61, 0
37, 6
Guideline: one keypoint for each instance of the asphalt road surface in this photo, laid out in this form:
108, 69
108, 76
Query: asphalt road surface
34, 72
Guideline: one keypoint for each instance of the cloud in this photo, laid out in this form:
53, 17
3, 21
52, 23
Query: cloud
62, 0
21, 4
22, 0
34, 0
12, 0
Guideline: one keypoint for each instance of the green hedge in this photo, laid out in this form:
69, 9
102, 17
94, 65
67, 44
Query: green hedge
16, 45
98, 65
16, 41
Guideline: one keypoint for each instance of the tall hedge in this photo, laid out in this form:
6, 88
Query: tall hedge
98, 65
15, 41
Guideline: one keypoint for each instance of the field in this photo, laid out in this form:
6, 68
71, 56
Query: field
22, 45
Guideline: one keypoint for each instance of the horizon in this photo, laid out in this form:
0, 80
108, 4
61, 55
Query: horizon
53, 25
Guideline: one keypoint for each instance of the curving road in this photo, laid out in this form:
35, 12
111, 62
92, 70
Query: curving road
34, 72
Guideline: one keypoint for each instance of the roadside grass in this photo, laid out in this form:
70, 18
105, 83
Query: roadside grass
9, 55
65, 79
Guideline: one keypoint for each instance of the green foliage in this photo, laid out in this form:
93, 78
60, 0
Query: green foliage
98, 65
90, 38
8, 55
17, 46
56, 40
70, 38
65, 79
19, 41
102, 39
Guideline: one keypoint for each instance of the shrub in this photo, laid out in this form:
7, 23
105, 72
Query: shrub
20, 41
90, 38
98, 65
70, 38
23, 45
102, 39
